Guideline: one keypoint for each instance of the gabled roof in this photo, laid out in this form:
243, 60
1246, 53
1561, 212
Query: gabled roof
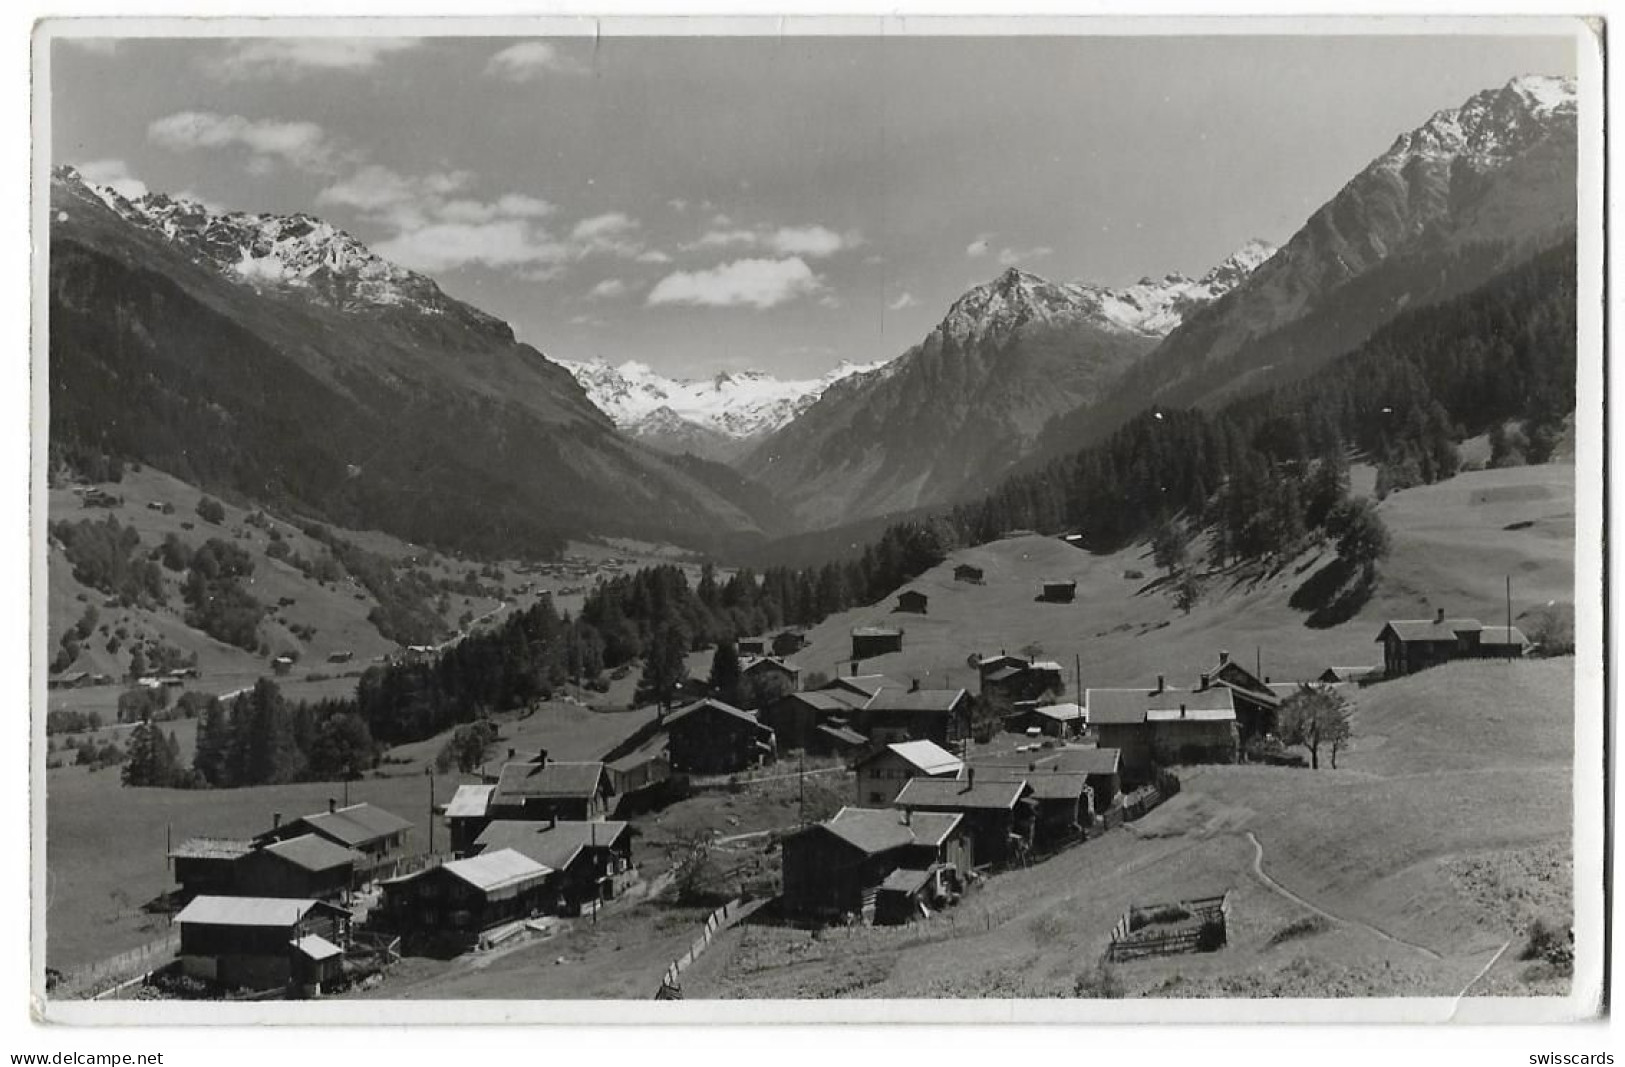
941, 701
469, 802
1068, 712
553, 845
1004, 674
546, 781
825, 700
715, 707
1069, 759
1502, 635
865, 685
250, 911
874, 830
752, 663
1046, 784
356, 825
1118, 707
211, 848
876, 631
499, 869
927, 757
312, 852
960, 793
1048, 666
1409, 630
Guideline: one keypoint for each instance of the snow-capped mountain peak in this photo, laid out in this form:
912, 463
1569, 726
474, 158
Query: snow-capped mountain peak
1491, 126
994, 311
732, 404
296, 253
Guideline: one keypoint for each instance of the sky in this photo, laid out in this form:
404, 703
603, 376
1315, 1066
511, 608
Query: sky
782, 204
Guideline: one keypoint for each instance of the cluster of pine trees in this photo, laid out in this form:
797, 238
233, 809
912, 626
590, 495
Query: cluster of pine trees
258, 738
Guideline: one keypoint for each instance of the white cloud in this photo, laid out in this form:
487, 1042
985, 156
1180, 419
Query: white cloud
290, 57
1009, 257
530, 60
499, 243
677, 204
904, 300
303, 145
608, 289
610, 234
979, 247
652, 255
758, 283
407, 202
115, 174
812, 242
815, 241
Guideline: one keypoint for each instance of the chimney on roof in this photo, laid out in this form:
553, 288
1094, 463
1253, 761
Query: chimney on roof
908, 817
276, 819
1181, 710
512, 752
1160, 684
1205, 679
1224, 657
1440, 616
970, 779
553, 821
913, 685
854, 668
332, 805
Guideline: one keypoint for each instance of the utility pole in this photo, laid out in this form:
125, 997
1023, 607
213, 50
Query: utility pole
1077, 677
1509, 617
801, 783
1258, 662
429, 771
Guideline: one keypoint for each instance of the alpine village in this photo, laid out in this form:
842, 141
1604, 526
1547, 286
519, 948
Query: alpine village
1239, 663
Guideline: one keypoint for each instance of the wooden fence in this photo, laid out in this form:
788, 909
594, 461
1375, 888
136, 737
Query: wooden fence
718, 921
94, 979
1204, 929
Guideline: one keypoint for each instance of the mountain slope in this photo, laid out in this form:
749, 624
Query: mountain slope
718, 418
1450, 204
946, 418
278, 360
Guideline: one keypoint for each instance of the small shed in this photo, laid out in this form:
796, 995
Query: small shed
869, 641
912, 601
789, 642
752, 646
460, 900
467, 813
1058, 591
207, 866
308, 867
967, 572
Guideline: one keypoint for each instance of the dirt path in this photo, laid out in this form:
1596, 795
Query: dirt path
1482, 971
1258, 870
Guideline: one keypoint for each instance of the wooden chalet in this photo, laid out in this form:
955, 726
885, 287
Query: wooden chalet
1100, 767
789, 642
940, 715
1409, 646
757, 668
590, 860
1256, 702
882, 774
458, 901
912, 602
871, 641
1062, 801
262, 943
207, 866
1015, 681
467, 813
552, 789
751, 646
966, 572
1062, 721
795, 718
999, 814
377, 835
841, 867
309, 866
1163, 726
711, 737
1348, 675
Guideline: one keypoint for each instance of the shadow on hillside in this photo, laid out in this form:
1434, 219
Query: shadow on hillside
1334, 594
